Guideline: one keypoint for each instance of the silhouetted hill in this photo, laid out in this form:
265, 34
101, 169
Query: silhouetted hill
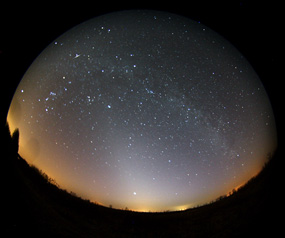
35, 207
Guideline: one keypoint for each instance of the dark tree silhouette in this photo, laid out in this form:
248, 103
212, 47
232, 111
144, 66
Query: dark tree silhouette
15, 140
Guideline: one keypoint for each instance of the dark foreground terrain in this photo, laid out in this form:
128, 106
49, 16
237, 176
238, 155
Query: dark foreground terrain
33, 207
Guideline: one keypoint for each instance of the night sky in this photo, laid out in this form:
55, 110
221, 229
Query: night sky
145, 110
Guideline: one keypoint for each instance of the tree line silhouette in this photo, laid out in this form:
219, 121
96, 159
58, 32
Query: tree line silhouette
37, 207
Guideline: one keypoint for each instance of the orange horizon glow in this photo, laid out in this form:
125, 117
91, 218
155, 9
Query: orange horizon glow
57, 182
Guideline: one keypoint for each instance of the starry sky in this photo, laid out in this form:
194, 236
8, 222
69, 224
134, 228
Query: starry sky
143, 109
